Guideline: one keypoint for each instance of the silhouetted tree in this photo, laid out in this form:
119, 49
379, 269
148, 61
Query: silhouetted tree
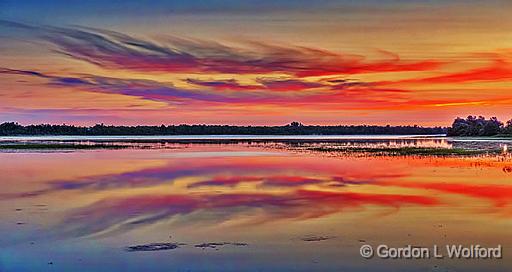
492, 127
296, 124
475, 126
460, 127
508, 128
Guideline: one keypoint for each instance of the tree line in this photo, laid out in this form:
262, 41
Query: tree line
294, 128
479, 126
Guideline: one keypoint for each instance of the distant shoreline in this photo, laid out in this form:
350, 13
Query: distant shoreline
294, 128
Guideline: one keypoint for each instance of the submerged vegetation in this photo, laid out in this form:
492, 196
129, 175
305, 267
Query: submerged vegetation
173, 245
479, 126
154, 247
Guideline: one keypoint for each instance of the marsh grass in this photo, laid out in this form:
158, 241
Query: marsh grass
405, 151
356, 148
53, 146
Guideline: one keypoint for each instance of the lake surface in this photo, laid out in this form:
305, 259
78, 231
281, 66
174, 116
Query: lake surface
249, 205
213, 137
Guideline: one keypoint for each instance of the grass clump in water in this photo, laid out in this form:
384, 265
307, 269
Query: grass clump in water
405, 151
44, 146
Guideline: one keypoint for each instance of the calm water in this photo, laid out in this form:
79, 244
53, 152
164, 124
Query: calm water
279, 209
216, 137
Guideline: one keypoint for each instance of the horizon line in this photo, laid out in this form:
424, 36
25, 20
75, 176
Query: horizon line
218, 124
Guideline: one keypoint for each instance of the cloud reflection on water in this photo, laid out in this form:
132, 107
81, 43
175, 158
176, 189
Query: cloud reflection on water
259, 189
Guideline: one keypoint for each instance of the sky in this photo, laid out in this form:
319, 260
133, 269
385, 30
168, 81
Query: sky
254, 62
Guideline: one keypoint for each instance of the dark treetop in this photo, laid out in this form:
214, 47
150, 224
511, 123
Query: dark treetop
479, 126
295, 128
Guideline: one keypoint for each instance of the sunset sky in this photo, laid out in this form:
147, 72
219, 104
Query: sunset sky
254, 62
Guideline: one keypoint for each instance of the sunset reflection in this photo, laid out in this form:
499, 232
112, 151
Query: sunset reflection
198, 190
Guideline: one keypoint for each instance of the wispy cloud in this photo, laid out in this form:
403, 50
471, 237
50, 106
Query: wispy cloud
497, 67
146, 89
289, 84
253, 80
264, 83
115, 50
270, 92
222, 84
